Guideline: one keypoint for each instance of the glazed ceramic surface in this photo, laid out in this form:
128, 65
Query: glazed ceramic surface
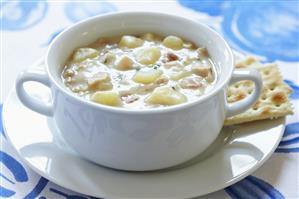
137, 140
236, 153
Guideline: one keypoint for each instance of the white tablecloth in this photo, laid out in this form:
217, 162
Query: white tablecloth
268, 29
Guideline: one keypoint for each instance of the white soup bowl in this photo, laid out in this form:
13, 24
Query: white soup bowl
138, 140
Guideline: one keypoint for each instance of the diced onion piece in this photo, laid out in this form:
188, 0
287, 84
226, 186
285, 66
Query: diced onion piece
110, 98
148, 56
179, 75
166, 96
84, 53
173, 42
130, 41
124, 63
146, 77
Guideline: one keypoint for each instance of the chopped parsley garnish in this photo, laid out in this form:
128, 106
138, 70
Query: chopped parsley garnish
156, 66
120, 76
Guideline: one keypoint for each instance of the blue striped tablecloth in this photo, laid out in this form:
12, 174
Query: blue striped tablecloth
266, 29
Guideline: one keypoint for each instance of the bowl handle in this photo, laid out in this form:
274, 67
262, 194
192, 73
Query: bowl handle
34, 104
241, 106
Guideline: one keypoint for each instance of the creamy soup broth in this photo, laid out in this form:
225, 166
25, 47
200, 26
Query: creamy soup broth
140, 71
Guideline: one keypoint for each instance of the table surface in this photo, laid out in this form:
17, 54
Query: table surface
266, 29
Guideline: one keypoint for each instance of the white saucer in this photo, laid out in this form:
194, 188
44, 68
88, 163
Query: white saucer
237, 152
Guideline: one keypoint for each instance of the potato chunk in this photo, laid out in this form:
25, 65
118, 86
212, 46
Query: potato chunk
124, 63
146, 77
83, 53
148, 56
130, 41
110, 98
173, 42
166, 96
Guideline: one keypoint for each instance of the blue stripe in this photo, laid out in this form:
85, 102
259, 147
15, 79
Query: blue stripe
69, 196
52, 37
289, 142
1, 121
287, 150
14, 166
6, 193
29, 13
76, 11
231, 192
266, 187
37, 189
247, 20
246, 189
295, 94
253, 188
290, 129
212, 7
6, 178
58, 192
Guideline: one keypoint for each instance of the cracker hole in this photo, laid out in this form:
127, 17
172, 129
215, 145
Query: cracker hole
272, 89
264, 98
255, 109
